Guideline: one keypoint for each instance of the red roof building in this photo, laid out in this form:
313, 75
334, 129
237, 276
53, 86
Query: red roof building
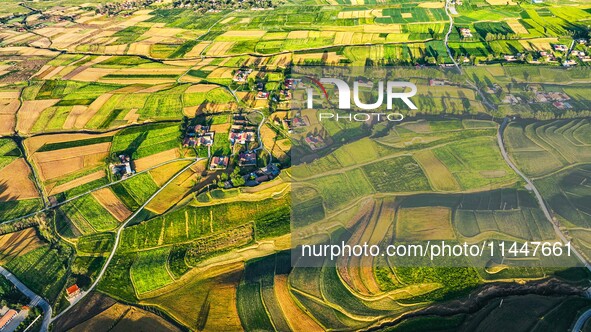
7, 318
73, 290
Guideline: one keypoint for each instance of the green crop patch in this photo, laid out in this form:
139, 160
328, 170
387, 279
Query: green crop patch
73, 144
148, 272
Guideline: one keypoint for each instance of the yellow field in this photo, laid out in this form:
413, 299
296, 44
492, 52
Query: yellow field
298, 35
164, 173
75, 183
219, 48
439, 176
18, 243
296, 318
16, 176
176, 190
516, 26
8, 108
54, 164
109, 201
184, 298
30, 111
93, 108
424, 223
431, 4
155, 159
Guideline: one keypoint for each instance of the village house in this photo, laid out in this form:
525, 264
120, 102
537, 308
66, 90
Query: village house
124, 168
241, 131
262, 95
259, 176
7, 317
315, 142
466, 33
433, 82
292, 83
247, 159
560, 48
198, 135
241, 75
72, 291
219, 163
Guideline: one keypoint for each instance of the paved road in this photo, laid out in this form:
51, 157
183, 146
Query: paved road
36, 300
449, 31
118, 237
539, 197
581, 321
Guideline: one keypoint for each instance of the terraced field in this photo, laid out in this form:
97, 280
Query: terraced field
542, 148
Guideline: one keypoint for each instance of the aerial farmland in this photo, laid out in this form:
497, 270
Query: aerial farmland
164, 165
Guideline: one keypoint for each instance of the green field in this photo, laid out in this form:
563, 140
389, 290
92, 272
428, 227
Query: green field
149, 271
144, 141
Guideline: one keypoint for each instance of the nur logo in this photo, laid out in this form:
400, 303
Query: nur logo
345, 93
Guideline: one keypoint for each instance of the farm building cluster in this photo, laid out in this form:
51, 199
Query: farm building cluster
124, 168
198, 135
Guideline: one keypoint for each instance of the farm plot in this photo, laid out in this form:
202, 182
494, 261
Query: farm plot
189, 223
439, 176
177, 189
207, 299
88, 215
432, 223
543, 147
109, 201
18, 244
408, 176
149, 271
340, 189
144, 141
568, 193
43, 270
56, 165
476, 163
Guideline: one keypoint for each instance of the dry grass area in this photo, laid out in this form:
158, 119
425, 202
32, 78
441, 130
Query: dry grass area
217, 284
155, 159
55, 164
18, 243
109, 201
30, 111
101, 321
121, 317
218, 48
431, 4
8, 109
516, 26
16, 176
164, 173
296, 318
201, 88
424, 223
439, 175
177, 189
140, 320
36, 142
278, 148
75, 183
